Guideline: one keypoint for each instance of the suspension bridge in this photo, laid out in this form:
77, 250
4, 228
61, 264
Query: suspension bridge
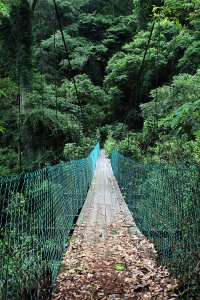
39, 210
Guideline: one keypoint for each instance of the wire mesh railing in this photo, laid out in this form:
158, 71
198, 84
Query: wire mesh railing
165, 202
37, 212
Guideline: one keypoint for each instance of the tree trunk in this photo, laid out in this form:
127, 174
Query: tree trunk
34, 3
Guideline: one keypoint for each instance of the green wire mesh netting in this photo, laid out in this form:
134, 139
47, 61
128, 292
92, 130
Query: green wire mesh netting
37, 213
165, 202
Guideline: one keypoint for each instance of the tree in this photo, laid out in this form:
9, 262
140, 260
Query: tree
144, 11
33, 6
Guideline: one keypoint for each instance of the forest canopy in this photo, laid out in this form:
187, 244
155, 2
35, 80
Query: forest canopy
129, 76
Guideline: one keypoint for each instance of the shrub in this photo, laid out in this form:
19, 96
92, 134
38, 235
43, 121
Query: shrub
109, 146
74, 151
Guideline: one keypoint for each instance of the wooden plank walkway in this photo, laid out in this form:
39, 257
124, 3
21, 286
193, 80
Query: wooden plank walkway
105, 201
103, 260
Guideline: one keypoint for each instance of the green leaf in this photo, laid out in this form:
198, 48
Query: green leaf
4, 9
2, 93
195, 113
119, 267
197, 133
114, 232
72, 271
2, 128
175, 121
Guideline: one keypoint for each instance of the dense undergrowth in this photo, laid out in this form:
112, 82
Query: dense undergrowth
171, 125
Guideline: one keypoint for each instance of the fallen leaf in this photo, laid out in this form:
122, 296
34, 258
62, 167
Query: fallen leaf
119, 267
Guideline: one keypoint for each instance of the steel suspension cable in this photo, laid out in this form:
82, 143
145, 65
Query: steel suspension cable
156, 126
135, 90
68, 58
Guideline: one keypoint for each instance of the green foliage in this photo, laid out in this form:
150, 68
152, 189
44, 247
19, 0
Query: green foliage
77, 151
119, 33
174, 149
181, 9
109, 146
8, 92
106, 43
190, 62
181, 103
4, 9
121, 81
116, 130
54, 129
17, 249
185, 117
93, 26
144, 11
128, 146
117, 7
8, 161
2, 128
175, 121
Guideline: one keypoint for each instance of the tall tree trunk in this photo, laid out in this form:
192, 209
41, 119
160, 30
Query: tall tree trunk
24, 66
34, 3
24, 49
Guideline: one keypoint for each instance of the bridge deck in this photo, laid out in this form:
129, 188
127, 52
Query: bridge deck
104, 201
104, 261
